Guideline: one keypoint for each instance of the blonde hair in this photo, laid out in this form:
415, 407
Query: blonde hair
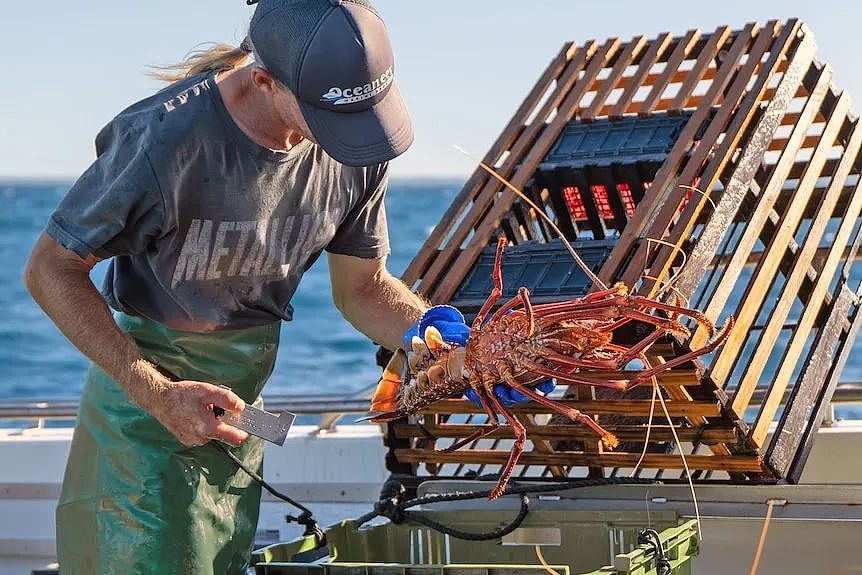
216, 57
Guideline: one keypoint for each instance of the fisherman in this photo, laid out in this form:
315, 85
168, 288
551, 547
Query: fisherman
211, 198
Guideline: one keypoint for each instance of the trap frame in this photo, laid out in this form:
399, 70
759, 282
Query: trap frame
607, 143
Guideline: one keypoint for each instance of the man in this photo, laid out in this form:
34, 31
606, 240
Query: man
212, 197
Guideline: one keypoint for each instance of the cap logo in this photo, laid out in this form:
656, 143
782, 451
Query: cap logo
337, 96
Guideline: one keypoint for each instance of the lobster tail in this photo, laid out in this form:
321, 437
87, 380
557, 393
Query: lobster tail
385, 397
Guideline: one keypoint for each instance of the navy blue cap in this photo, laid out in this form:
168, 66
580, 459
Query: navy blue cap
335, 57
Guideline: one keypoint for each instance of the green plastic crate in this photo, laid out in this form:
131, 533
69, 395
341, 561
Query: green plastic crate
572, 542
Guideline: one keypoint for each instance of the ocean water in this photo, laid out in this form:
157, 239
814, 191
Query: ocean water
319, 352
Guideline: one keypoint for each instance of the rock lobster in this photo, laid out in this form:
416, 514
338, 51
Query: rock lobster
522, 344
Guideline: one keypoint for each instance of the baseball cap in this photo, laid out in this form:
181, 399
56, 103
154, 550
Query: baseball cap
335, 57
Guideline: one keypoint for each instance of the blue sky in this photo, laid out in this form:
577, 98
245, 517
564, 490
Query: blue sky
464, 65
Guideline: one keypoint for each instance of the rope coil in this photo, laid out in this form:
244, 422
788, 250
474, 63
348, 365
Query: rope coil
393, 506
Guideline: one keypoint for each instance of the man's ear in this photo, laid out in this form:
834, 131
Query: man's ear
263, 80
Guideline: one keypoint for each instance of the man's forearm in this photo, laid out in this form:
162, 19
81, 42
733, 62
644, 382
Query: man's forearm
59, 281
383, 309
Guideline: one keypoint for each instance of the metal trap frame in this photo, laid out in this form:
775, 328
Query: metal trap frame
607, 143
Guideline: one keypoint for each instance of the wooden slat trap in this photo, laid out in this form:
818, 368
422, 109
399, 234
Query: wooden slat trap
607, 143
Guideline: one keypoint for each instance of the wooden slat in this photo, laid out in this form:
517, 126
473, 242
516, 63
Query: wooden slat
527, 139
655, 50
756, 217
754, 257
813, 388
630, 52
664, 105
540, 445
818, 408
707, 56
667, 173
679, 54
625, 433
740, 463
738, 118
788, 295
635, 407
507, 137
677, 77
541, 198
767, 267
807, 144
670, 378
537, 153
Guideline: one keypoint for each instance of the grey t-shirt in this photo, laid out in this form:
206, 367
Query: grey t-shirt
207, 229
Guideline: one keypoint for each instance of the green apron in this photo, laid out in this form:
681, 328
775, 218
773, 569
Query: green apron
134, 499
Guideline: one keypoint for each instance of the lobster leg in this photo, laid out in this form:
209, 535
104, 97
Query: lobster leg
523, 298
675, 310
576, 363
497, 275
608, 439
609, 311
483, 430
568, 377
517, 448
637, 350
718, 340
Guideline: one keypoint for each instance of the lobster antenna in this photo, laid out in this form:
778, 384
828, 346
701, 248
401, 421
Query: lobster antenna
669, 287
539, 211
701, 192
684, 463
673, 278
676, 247
654, 381
669, 284
656, 391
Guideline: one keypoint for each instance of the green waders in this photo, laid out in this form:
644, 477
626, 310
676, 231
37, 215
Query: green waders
134, 499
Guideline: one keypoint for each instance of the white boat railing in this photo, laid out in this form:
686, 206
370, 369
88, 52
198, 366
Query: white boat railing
330, 407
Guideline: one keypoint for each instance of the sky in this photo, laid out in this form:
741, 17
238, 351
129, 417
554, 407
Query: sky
464, 66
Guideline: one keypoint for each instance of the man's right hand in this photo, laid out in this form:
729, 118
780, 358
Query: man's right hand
59, 281
185, 408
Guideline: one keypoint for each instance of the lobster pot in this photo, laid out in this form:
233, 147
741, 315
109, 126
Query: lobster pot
722, 163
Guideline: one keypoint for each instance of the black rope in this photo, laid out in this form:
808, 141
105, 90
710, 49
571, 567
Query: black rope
651, 537
392, 506
305, 518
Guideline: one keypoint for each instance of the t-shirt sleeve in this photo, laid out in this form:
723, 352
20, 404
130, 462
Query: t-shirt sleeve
116, 207
363, 233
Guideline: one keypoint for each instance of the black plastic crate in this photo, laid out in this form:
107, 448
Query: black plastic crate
606, 142
546, 269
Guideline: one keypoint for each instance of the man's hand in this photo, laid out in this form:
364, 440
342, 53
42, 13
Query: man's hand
59, 281
448, 321
185, 408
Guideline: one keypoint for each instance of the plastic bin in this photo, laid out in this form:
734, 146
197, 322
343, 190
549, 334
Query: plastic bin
546, 269
629, 140
572, 542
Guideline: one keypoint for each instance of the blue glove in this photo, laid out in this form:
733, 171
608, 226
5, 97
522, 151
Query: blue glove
511, 397
450, 323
